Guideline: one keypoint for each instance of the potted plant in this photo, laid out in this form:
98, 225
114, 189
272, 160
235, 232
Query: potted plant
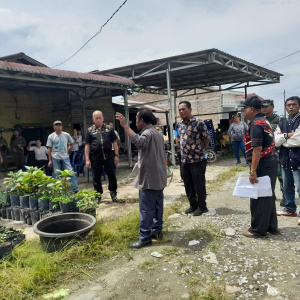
87, 201
13, 183
62, 191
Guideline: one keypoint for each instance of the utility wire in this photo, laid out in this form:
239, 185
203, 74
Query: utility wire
282, 58
93, 35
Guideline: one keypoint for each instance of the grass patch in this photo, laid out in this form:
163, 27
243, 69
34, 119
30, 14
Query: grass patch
147, 265
214, 185
30, 272
208, 230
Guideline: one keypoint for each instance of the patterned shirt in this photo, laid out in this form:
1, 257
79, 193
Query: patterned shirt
259, 134
100, 140
192, 135
236, 131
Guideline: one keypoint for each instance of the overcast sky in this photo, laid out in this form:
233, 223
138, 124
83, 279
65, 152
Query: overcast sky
257, 31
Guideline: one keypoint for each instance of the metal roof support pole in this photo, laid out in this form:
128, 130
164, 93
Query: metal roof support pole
128, 143
84, 116
170, 115
175, 106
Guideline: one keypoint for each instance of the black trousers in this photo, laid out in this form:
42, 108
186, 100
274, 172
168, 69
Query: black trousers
109, 167
194, 183
263, 209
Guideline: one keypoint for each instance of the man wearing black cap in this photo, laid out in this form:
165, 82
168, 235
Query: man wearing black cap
59, 145
260, 151
267, 109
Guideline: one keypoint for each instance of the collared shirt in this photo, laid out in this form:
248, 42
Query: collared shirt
77, 143
192, 134
152, 172
100, 140
259, 134
40, 153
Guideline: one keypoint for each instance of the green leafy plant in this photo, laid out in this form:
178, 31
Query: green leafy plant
86, 199
14, 182
59, 190
2, 197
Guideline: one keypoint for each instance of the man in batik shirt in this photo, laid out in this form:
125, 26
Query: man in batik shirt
194, 141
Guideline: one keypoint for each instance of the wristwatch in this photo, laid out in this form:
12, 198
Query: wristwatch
117, 155
252, 173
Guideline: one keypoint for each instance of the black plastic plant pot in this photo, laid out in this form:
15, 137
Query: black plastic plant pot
16, 211
16, 239
26, 215
14, 200
33, 203
8, 212
8, 199
22, 214
35, 216
5, 248
61, 231
3, 213
24, 201
43, 205
12, 213
68, 207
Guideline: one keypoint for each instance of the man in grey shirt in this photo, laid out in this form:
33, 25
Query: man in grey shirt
152, 175
59, 145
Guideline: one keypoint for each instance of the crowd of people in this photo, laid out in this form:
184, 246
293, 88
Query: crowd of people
270, 145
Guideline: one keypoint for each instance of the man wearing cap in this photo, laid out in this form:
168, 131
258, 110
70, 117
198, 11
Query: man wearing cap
260, 151
287, 137
99, 153
59, 145
267, 109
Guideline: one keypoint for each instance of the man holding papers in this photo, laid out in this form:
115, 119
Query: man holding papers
259, 144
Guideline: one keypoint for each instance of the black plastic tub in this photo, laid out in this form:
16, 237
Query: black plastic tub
61, 231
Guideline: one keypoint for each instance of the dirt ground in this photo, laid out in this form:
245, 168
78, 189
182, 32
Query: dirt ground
195, 255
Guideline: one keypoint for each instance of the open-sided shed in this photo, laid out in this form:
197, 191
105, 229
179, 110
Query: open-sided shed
181, 75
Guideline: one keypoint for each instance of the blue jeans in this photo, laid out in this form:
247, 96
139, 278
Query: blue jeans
151, 212
290, 180
237, 145
64, 164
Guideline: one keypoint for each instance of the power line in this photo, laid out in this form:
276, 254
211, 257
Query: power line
282, 58
93, 35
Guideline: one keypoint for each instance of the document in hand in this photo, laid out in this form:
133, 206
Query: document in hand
245, 189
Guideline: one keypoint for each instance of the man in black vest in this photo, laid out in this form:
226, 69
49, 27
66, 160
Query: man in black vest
287, 137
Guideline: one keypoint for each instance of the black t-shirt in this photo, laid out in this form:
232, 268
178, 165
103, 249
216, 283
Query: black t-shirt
259, 134
100, 140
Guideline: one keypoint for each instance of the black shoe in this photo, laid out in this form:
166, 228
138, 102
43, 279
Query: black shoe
190, 210
141, 244
113, 196
282, 202
199, 212
157, 235
98, 199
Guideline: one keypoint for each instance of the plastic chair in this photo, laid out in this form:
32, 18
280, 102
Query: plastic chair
78, 162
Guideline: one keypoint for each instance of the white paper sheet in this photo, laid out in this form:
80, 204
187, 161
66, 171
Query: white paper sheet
245, 189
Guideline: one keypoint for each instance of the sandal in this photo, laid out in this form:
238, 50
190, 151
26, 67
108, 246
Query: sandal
248, 234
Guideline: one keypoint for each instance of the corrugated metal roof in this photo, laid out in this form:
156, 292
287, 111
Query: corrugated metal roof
156, 108
16, 67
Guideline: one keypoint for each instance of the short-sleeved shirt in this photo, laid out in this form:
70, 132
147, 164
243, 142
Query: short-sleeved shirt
260, 134
100, 140
192, 135
40, 153
59, 144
